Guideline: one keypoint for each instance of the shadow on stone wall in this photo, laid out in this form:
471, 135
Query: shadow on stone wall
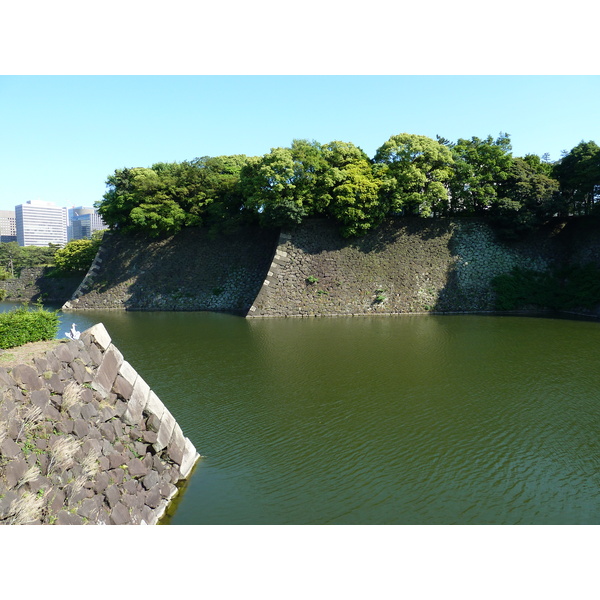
377, 240
33, 284
189, 271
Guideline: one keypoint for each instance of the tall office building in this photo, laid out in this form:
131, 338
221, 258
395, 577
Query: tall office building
83, 222
41, 223
8, 226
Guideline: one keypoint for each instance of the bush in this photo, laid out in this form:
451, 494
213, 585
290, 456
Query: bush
22, 325
76, 257
579, 287
568, 288
524, 287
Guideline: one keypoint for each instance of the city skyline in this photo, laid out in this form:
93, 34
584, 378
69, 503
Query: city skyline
40, 223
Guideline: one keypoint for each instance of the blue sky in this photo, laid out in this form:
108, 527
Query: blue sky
61, 136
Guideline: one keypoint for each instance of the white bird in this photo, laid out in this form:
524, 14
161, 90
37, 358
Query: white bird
73, 334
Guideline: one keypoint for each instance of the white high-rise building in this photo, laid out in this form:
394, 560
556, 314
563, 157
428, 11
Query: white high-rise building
41, 223
8, 226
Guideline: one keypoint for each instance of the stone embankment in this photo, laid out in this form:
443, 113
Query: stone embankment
84, 440
33, 284
405, 266
188, 271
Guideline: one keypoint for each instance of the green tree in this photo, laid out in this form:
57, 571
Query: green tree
310, 162
269, 190
280, 186
142, 199
419, 170
14, 258
157, 210
541, 165
348, 189
480, 168
119, 200
527, 200
10, 257
578, 173
77, 256
217, 199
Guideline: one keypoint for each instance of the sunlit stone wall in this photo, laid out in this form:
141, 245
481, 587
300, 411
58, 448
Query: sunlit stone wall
406, 266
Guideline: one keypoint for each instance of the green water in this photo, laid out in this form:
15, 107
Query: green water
376, 420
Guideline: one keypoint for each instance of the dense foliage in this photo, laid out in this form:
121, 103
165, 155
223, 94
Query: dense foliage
77, 256
409, 175
568, 288
22, 325
14, 258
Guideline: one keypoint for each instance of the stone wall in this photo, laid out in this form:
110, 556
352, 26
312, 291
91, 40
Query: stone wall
406, 266
33, 285
84, 440
189, 271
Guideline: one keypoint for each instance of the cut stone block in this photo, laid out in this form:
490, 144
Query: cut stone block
137, 402
190, 457
167, 424
108, 370
100, 335
154, 405
128, 373
122, 387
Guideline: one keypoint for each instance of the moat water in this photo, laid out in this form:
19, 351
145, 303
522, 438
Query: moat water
376, 420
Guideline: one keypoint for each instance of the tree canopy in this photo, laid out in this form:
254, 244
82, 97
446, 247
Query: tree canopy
419, 171
77, 256
14, 258
578, 174
409, 175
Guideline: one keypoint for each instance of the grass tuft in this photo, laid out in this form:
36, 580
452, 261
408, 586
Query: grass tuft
62, 453
25, 509
70, 397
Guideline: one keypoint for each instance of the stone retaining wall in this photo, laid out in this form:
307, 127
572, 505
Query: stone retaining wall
189, 271
405, 266
84, 440
33, 285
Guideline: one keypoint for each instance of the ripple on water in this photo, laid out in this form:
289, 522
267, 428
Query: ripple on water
457, 419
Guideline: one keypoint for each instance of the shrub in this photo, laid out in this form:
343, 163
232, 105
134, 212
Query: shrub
76, 257
22, 325
524, 287
579, 286
568, 288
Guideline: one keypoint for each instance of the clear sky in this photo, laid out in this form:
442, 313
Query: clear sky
61, 136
